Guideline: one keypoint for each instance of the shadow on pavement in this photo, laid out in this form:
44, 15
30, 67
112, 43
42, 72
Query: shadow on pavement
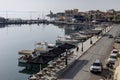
107, 74
72, 70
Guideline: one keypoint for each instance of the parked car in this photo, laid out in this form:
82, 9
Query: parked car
105, 35
112, 59
110, 36
96, 66
117, 39
114, 52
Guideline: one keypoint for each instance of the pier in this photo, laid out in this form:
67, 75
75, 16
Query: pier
42, 21
9, 21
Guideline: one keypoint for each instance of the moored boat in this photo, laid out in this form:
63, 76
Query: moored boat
65, 39
80, 37
39, 49
26, 54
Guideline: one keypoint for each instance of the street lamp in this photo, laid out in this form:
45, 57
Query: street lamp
66, 61
40, 67
91, 40
105, 29
82, 46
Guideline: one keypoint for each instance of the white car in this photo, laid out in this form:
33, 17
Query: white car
96, 66
112, 59
114, 52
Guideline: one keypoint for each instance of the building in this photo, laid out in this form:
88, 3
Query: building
71, 12
2, 20
79, 18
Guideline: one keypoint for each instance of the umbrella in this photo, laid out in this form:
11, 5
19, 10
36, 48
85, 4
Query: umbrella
33, 78
54, 62
62, 64
48, 72
45, 69
40, 73
53, 69
42, 77
62, 58
58, 60
50, 66
40, 60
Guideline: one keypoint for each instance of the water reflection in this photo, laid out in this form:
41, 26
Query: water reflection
29, 68
19, 37
69, 29
2, 25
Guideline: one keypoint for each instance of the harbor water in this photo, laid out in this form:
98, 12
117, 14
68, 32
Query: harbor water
14, 38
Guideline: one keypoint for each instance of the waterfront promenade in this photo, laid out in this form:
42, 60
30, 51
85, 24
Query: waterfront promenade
82, 48
86, 46
101, 50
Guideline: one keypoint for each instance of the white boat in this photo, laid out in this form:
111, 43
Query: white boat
78, 36
43, 47
26, 55
39, 49
65, 39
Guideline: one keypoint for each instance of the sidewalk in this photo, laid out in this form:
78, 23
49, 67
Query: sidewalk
86, 47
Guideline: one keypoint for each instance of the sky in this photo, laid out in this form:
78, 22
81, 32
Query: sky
40, 7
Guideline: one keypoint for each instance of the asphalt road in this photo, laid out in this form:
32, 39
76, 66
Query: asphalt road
79, 70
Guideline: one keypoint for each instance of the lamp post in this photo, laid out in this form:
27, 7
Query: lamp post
90, 17
40, 67
105, 28
91, 40
66, 61
82, 46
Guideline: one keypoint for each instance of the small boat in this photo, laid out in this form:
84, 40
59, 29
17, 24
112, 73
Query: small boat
65, 39
51, 45
80, 37
39, 49
44, 46
26, 54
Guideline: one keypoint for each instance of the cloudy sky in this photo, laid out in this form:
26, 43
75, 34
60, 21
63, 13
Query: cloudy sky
57, 5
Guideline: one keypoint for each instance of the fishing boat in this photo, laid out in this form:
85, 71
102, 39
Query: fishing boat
40, 48
26, 55
65, 39
80, 37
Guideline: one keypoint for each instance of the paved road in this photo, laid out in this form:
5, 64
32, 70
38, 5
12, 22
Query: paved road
80, 69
